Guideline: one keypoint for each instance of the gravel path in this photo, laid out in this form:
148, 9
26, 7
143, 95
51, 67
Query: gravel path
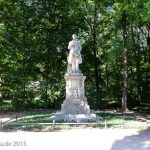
85, 139
9, 115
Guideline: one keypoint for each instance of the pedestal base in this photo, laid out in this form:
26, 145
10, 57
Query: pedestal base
59, 116
75, 107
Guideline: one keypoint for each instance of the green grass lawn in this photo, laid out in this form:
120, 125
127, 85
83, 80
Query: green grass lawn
111, 120
116, 120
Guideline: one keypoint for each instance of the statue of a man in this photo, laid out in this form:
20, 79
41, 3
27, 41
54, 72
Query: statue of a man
74, 58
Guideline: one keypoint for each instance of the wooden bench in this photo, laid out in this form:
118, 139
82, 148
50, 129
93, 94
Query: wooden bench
145, 107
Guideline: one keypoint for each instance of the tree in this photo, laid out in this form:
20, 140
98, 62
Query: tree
125, 61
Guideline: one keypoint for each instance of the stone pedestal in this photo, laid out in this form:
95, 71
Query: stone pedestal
75, 102
75, 107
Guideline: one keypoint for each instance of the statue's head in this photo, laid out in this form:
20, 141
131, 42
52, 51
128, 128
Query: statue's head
74, 36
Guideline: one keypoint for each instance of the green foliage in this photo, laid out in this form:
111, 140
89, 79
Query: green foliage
33, 48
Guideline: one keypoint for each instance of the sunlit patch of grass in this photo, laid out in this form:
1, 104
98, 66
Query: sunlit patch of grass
35, 117
114, 120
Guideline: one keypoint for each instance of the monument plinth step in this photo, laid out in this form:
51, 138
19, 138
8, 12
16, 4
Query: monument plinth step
59, 116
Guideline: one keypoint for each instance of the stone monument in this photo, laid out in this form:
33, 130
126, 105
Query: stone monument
75, 107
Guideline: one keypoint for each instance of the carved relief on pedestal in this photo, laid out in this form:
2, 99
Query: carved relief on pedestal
75, 99
75, 93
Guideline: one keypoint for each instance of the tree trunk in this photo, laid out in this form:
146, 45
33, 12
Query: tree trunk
125, 62
138, 72
24, 81
1, 95
148, 70
107, 78
95, 50
137, 54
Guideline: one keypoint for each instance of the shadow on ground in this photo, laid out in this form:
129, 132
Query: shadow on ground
140, 141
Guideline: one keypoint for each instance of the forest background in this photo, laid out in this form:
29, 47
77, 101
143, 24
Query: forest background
115, 39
